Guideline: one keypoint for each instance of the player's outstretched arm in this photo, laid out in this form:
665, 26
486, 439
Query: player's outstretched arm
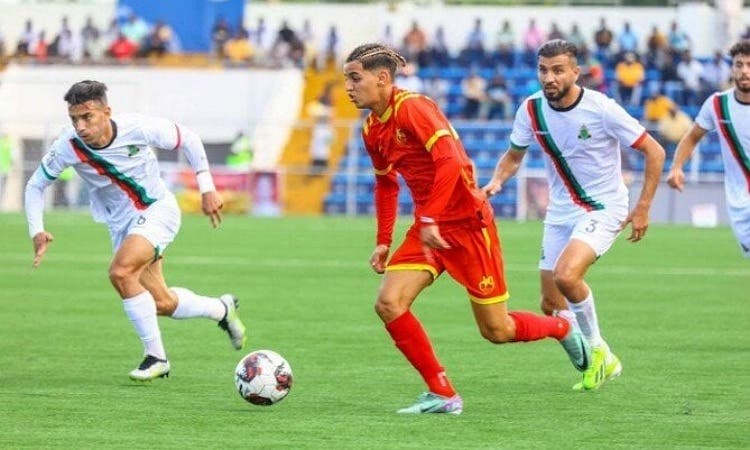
685, 148
638, 217
506, 167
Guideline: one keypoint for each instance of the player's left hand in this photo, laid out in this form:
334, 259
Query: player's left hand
212, 203
430, 235
41, 241
638, 220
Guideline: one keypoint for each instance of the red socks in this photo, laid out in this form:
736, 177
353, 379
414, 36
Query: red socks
411, 339
532, 327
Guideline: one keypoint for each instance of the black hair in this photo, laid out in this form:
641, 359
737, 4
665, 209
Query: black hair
86, 90
740, 48
557, 47
377, 55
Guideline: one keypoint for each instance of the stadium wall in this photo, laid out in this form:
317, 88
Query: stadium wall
358, 23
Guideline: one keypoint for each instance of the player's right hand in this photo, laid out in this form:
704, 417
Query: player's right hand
379, 258
211, 203
676, 179
492, 188
41, 240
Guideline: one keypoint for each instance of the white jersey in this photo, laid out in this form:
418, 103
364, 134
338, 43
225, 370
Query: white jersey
722, 113
582, 148
123, 177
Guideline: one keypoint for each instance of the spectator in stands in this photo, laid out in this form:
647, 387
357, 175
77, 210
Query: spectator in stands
627, 41
220, 35
690, 71
122, 49
40, 47
532, 38
310, 42
506, 44
592, 72
555, 32
498, 102
679, 41
657, 47
89, 31
473, 90
437, 88
26, 39
473, 53
655, 108
135, 30
670, 80
332, 46
408, 79
414, 42
603, 38
576, 37
630, 75
288, 46
240, 152
672, 127
716, 73
321, 111
260, 38
238, 50
157, 42
438, 51
387, 37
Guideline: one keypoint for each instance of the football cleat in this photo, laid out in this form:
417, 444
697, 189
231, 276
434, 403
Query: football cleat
610, 368
231, 322
432, 403
575, 344
151, 368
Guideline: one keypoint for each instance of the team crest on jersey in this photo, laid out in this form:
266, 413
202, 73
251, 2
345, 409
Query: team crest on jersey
400, 136
487, 283
583, 133
133, 150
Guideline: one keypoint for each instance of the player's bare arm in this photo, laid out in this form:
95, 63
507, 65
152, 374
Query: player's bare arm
638, 217
506, 167
41, 242
685, 148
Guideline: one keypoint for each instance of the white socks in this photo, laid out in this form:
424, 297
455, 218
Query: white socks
190, 304
585, 312
141, 310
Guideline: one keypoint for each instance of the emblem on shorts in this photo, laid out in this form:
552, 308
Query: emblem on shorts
133, 150
583, 133
487, 283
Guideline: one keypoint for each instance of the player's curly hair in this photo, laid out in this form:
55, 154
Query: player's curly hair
377, 55
557, 47
740, 48
86, 90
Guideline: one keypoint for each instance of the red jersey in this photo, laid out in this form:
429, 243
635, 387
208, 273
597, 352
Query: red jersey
414, 138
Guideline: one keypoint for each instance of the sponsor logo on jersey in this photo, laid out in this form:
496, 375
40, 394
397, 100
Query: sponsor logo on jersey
400, 136
487, 283
583, 133
133, 150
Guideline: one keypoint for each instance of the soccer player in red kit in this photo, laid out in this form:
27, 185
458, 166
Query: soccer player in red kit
454, 227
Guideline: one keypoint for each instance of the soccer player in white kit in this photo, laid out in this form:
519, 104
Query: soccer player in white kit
580, 132
728, 113
114, 158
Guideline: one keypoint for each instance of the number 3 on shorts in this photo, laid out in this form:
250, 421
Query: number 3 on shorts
591, 227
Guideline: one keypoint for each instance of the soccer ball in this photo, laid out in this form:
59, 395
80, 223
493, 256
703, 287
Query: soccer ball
263, 377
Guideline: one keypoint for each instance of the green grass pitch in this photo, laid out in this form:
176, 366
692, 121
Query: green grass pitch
674, 307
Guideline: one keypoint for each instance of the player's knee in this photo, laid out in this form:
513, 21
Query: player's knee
388, 308
120, 277
565, 278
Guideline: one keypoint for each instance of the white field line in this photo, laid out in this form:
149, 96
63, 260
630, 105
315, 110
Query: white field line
253, 261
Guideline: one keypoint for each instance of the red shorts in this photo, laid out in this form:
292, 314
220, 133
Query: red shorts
474, 259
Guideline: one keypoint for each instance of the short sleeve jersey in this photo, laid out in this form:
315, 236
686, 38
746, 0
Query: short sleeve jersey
722, 113
581, 145
401, 139
123, 177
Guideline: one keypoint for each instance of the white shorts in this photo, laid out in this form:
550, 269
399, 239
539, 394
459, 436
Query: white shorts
739, 218
598, 229
159, 224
